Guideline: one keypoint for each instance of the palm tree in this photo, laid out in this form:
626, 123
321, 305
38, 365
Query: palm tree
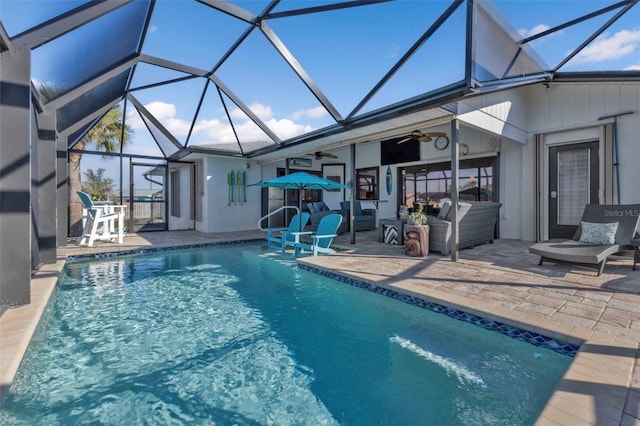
107, 135
98, 185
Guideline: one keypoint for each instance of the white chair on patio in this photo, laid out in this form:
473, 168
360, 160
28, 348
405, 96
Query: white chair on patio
100, 221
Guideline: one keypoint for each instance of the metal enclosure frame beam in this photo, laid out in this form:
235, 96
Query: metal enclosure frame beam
45, 186
15, 178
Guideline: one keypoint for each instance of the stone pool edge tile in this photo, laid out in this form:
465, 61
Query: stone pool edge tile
157, 249
43, 283
603, 405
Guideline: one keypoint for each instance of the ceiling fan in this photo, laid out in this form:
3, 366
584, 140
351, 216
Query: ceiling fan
421, 136
319, 155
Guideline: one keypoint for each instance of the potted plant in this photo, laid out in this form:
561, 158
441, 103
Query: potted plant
419, 217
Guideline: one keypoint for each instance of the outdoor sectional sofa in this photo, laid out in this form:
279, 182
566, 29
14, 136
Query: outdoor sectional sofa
318, 210
477, 222
363, 219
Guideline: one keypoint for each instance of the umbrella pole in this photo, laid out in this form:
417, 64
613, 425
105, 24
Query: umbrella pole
300, 209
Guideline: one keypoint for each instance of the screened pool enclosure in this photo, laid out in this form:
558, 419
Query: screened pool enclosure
250, 80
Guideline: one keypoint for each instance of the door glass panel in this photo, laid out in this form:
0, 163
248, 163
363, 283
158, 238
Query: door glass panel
147, 197
573, 185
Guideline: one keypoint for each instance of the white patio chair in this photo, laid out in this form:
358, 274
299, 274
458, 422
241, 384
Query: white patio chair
100, 221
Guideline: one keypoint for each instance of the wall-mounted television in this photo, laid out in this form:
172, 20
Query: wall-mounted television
392, 153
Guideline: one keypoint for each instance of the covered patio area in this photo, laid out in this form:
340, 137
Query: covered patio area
500, 281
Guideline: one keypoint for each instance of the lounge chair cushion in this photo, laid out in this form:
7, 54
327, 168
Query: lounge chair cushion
598, 233
574, 251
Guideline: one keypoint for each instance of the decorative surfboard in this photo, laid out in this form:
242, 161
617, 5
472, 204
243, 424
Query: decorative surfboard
389, 180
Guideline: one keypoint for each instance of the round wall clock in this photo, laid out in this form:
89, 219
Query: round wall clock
442, 142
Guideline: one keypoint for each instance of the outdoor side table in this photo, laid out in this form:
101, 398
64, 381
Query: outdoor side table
391, 231
416, 240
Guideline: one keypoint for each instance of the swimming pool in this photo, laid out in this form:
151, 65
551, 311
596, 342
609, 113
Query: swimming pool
238, 335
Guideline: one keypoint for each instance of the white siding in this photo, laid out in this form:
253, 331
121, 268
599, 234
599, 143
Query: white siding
218, 214
564, 109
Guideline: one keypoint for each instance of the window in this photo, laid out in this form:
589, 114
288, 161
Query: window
432, 182
367, 184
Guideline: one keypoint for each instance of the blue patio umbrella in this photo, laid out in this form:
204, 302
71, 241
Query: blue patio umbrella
299, 181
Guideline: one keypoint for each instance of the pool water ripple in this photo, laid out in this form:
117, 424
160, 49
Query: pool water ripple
236, 335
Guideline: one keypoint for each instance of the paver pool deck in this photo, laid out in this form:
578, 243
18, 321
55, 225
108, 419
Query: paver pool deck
500, 281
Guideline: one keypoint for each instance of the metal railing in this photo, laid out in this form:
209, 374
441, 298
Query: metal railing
274, 212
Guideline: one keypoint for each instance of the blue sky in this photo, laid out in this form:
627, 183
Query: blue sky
345, 52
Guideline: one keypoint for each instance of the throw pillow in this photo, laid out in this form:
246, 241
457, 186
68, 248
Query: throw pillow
598, 233
444, 210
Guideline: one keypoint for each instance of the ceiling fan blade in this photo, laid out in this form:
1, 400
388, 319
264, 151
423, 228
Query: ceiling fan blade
327, 155
407, 139
425, 138
434, 134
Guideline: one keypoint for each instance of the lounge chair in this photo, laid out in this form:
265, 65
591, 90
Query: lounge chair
100, 221
286, 236
604, 230
322, 239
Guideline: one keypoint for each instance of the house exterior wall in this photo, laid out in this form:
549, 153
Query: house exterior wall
580, 105
513, 117
219, 214
566, 112
563, 112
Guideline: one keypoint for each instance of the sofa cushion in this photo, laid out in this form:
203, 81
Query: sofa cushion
598, 233
318, 206
444, 210
345, 205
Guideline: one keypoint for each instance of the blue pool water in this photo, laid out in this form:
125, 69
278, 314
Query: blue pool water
237, 335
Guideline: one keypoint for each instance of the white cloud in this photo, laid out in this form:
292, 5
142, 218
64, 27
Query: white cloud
607, 47
316, 112
533, 31
166, 114
214, 130
219, 131
632, 68
286, 129
262, 111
